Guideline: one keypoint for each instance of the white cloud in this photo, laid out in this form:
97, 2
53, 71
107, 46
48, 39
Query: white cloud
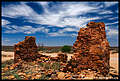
111, 23
112, 18
106, 12
27, 30
74, 34
6, 40
61, 32
77, 9
117, 11
45, 30
49, 17
5, 22
69, 29
14, 11
56, 34
108, 4
43, 3
66, 9
112, 32
34, 30
11, 31
53, 34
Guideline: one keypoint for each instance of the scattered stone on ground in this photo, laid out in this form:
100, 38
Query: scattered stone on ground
41, 70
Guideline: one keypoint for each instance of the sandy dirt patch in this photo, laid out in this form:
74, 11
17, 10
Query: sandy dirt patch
55, 54
114, 60
7, 56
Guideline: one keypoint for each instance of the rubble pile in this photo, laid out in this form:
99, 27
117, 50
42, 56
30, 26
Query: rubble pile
91, 50
61, 57
26, 50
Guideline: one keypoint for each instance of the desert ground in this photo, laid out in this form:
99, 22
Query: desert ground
114, 62
113, 59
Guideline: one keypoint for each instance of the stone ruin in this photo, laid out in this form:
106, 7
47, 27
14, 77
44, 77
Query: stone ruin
26, 50
91, 50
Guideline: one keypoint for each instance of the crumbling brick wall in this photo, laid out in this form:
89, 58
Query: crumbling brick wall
26, 50
91, 49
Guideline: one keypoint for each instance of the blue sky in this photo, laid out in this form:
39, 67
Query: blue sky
56, 23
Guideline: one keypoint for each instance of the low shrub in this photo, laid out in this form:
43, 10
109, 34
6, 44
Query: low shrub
66, 49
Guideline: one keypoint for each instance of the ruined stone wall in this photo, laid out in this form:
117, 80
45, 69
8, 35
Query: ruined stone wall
26, 50
91, 49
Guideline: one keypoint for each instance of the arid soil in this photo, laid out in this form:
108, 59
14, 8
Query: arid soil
113, 59
7, 56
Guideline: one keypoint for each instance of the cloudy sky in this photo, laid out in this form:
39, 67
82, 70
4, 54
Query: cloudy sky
56, 23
